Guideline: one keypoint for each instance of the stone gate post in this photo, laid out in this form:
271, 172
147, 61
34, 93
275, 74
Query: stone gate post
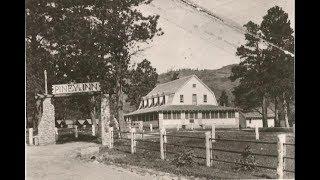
105, 120
46, 126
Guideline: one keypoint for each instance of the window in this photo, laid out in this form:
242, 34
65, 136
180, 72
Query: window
181, 98
186, 115
191, 115
163, 100
191, 121
194, 85
152, 102
147, 104
214, 115
205, 98
165, 116
194, 99
207, 115
194, 115
203, 115
223, 114
169, 115
231, 114
158, 102
174, 115
178, 115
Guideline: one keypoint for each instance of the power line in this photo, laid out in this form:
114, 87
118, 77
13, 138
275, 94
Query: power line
190, 32
235, 26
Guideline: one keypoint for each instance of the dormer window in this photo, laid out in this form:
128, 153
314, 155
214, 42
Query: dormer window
181, 98
163, 100
205, 99
194, 85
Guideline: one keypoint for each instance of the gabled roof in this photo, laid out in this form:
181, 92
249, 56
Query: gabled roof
255, 114
169, 87
182, 108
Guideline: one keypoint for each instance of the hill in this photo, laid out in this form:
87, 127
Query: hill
217, 79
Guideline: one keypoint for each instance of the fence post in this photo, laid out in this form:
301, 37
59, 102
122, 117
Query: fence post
280, 167
208, 154
256, 129
30, 136
140, 126
111, 137
165, 137
132, 137
162, 131
56, 130
213, 132
294, 128
76, 131
178, 127
151, 127
93, 130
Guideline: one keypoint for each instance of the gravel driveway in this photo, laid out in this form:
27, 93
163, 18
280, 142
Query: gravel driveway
57, 162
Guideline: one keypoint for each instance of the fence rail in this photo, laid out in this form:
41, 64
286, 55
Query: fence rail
241, 152
250, 141
147, 149
198, 147
209, 148
230, 162
192, 137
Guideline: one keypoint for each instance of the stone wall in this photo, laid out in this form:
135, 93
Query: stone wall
46, 131
105, 120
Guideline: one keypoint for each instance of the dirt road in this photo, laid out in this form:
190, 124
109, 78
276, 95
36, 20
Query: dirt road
57, 162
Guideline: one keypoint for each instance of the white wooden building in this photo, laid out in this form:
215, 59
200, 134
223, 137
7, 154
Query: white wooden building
185, 102
254, 118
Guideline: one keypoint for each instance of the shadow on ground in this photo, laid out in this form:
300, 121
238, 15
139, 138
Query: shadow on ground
81, 138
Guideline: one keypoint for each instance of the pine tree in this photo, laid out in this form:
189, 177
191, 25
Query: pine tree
143, 80
224, 99
266, 71
174, 76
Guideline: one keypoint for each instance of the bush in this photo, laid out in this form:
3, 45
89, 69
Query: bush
276, 129
184, 158
248, 162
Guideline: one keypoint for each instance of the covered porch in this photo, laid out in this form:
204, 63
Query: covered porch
188, 116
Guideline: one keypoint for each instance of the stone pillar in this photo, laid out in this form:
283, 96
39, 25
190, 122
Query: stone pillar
46, 127
105, 120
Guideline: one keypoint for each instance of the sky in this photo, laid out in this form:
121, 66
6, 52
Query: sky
195, 40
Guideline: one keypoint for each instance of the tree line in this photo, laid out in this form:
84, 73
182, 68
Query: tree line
86, 41
266, 70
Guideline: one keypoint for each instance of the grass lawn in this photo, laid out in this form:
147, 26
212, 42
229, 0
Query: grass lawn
195, 161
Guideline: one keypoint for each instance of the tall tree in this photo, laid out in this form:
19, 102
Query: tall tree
175, 75
39, 40
143, 80
266, 70
276, 29
224, 99
94, 40
250, 72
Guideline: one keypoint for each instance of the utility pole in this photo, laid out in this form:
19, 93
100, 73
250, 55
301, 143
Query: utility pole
45, 82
